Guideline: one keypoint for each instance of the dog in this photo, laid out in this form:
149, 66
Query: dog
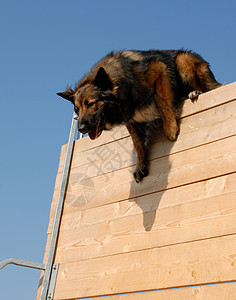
135, 88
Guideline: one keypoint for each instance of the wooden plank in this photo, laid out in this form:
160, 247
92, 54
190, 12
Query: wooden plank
199, 262
169, 195
192, 221
201, 163
210, 99
206, 188
102, 249
195, 130
222, 130
74, 217
55, 195
205, 101
225, 129
226, 291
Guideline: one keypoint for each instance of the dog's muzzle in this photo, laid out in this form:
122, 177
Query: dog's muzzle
93, 132
83, 128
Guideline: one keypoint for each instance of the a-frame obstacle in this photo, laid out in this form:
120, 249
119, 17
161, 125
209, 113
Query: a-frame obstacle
175, 229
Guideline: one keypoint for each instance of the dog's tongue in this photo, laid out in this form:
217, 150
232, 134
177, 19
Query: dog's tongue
93, 134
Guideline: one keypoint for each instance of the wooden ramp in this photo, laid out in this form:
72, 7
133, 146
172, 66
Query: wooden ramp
175, 229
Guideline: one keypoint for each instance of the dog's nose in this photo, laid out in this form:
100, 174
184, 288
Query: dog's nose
83, 128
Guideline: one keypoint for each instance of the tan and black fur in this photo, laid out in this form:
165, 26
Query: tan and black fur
133, 88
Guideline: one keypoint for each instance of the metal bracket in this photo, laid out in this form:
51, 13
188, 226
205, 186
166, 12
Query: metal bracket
52, 283
34, 265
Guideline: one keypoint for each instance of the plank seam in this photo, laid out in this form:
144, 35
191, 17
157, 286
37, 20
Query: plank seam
158, 191
149, 248
159, 290
207, 108
156, 158
148, 211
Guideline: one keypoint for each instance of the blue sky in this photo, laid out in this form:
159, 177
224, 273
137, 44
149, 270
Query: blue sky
46, 45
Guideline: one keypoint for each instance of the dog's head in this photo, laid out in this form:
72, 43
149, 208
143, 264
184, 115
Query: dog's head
95, 103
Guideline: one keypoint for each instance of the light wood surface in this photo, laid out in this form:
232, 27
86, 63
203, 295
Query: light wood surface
175, 229
210, 292
199, 262
178, 224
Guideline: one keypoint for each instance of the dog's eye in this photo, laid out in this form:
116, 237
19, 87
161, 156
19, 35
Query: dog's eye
88, 104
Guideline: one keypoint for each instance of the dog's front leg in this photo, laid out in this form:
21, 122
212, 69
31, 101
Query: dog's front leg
138, 135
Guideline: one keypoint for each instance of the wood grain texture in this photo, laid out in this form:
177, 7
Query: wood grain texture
192, 221
224, 125
225, 291
197, 164
195, 130
175, 229
200, 262
74, 217
189, 138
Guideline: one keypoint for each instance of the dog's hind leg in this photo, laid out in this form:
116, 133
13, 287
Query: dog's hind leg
196, 73
205, 78
164, 99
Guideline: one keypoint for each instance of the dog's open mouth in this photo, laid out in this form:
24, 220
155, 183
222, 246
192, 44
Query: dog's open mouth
96, 132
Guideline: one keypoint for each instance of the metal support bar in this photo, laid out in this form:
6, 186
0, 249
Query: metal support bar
57, 218
52, 283
23, 263
34, 265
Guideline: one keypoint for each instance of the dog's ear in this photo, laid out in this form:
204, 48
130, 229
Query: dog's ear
68, 95
102, 80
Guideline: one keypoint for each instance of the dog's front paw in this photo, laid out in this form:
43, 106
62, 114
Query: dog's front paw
140, 173
172, 131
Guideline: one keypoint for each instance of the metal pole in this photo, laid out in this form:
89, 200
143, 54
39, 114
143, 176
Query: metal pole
23, 263
57, 217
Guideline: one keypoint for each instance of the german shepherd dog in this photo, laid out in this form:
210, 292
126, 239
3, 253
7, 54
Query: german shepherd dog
134, 88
